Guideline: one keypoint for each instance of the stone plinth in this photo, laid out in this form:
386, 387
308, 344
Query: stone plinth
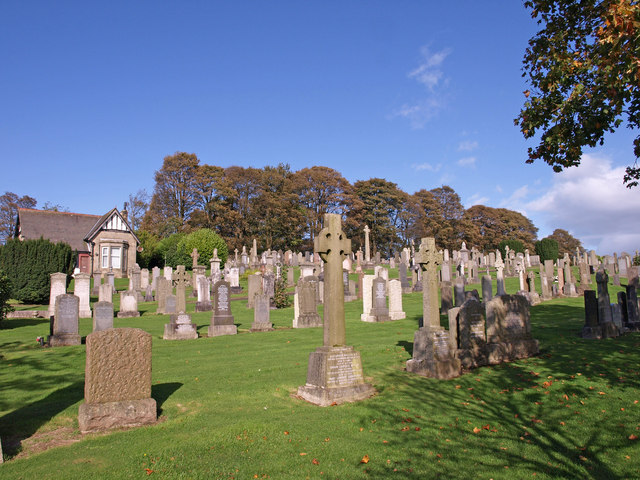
222, 321
432, 354
117, 388
180, 328
335, 376
509, 329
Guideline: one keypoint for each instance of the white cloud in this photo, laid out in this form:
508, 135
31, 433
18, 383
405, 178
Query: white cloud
467, 161
426, 166
514, 201
467, 146
420, 113
498, 189
475, 199
592, 202
429, 73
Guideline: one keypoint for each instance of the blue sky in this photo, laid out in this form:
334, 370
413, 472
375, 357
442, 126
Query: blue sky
94, 95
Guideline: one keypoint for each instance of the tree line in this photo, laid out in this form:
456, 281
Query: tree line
283, 209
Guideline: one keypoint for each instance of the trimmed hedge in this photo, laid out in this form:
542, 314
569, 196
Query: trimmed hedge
547, 249
29, 263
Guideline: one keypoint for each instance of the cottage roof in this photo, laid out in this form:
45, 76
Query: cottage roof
112, 220
65, 227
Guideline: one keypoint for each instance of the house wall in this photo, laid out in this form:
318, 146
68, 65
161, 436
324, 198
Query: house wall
110, 239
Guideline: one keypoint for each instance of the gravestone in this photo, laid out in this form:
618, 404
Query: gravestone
548, 268
204, 297
254, 287
105, 293
632, 277
307, 299
262, 306
446, 298
168, 273
591, 328
82, 290
509, 329
367, 248
404, 279
335, 372
97, 281
499, 264
102, 316
111, 280
432, 353
163, 290
197, 271
180, 326
222, 321
148, 294
471, 339
487, 292
605, 318
458, 292
379, 309
290, 281
144, 278
395, 300
633, 316
171, 304
58, 287
65, 321
269, 286
155, 274
234, 279
367, 298
117, 388
128, 305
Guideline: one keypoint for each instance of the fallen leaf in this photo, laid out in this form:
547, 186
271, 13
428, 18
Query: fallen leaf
633, 437
315, 461
365, 459
601, 393
302, 453
286, 433
476, 429
148, 470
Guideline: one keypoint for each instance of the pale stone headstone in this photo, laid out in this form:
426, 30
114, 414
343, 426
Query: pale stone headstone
144, 278
254, 286
432, 355
181, 279
395, 300
111, 280
171, 304
204, 298
194, 257
487, 292
509, 329
102, 316
58, 287
180, 326
128, 305
82, 290
117, 389
163, 289
105, 293
168, 273
261, 313
65, 323
155, 274
499, 264
97, 281
367, 297
335, 372
222, 321
367, 248
307, 299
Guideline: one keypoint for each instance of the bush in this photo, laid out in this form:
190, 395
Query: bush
150, 256
205, 241
514, 246
167, 251
5, 295
547, 249
280, 297
29, 263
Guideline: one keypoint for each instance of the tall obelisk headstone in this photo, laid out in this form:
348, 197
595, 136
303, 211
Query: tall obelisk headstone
335, 372
432, 352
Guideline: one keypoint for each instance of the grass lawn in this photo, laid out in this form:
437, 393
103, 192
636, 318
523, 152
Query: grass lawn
227, 409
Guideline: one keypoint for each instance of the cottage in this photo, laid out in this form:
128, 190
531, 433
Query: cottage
104, 243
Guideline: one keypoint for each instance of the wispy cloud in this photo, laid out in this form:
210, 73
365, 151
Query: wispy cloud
591, 202
498, 189
467, 162
428, 73
475, 199
467, 146
426, 166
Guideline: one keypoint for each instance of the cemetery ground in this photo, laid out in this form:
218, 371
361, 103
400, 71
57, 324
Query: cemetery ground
227, 405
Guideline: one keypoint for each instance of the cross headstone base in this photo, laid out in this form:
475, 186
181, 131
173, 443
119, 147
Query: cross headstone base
64, 340
104, 416
335, 376
432, 355
180, 328
220, 330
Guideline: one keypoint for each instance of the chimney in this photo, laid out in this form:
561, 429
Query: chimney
124, 212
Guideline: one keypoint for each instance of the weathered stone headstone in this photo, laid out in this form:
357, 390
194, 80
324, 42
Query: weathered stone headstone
458, 292
117, 388
65, 323
144, 278
307, 298
163, 289
204, 297
180, 326
487, 292
194, 257
471, 339
379, 309
168, 273
396, 311
171, 304
261, 313
105, 293
102, 316
446, 298
222, 321
335, 371
499, 264
82, 290
269, 285
128, 305
591, 328
367, 298
432, 353
605, 318
509, 329
148, 294
181, 279
58, 287
97, 281
254, 286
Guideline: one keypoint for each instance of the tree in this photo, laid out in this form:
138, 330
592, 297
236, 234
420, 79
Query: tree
428, 216
547, 249
452, 227
54, 207
514, 246
567, 243
173, 199
489, 226
207, 199
9, 204
205, 241
584, 73
137, 208
5, 295
320, 190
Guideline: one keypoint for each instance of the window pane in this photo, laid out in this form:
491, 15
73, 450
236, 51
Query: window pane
115, 257
105, 257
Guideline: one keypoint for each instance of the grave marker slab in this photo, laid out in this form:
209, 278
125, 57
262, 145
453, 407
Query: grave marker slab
222, 321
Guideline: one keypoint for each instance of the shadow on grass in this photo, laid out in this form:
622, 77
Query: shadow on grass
162, 391
11, 323
536, 415
25, 421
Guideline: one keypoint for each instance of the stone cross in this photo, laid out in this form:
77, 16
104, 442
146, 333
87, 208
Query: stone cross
236, 255
181, 279
367, 249
195, 255
332, 245
499, 264
429, 259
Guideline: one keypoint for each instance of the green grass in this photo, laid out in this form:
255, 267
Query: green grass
227, 410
